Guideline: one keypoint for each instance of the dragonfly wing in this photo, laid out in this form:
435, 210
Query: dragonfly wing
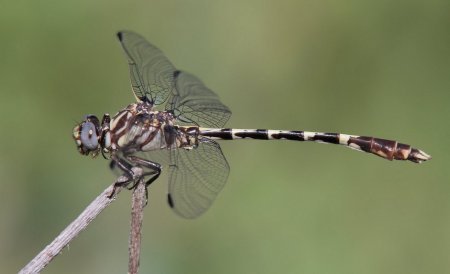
196, 177
151, 73
194, 103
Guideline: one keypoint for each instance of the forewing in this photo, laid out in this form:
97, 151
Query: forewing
151, 73
194, 103
196, 177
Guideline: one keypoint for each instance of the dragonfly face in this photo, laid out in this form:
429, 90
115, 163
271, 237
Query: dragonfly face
90, 137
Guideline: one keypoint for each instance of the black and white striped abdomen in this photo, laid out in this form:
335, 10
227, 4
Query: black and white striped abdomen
388, 149
270, 134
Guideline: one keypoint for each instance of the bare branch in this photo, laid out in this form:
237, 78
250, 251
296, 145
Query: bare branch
70, 232
139, 200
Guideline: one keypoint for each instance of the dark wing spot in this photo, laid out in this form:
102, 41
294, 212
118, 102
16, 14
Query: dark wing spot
169, 200
176, 73
119, 36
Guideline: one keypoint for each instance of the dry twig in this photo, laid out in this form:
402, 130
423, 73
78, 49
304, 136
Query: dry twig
139, 200
85, 218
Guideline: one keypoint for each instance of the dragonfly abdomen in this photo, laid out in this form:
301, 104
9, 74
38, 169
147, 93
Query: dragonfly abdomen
388, 149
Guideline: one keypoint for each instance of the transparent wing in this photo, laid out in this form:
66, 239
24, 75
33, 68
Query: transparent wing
155, 79
151, 73
193, 103
196, 177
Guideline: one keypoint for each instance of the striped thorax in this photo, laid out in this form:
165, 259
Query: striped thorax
136, 128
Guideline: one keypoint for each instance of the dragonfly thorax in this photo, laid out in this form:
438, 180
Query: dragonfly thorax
136, 128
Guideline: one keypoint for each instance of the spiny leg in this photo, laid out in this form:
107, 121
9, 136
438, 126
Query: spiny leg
127, 168
155, 168
155, 171
128, 173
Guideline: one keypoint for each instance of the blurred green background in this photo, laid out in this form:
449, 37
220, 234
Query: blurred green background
377, 68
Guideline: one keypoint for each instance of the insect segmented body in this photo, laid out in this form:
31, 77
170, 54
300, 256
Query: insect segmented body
178, 116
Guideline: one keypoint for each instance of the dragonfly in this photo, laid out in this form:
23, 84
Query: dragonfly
175, 123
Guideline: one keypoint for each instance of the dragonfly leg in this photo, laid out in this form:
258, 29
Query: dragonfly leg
123, 165
128, 173
154, 171
126, 165
112, 165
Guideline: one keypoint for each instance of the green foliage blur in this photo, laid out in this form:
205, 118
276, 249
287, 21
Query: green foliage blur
378, 68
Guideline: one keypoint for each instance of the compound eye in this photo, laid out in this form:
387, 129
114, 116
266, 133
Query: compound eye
88, 136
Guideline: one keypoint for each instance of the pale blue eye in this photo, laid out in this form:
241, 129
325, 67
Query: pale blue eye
88, 136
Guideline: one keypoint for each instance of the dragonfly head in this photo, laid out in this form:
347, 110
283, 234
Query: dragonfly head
87, 136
